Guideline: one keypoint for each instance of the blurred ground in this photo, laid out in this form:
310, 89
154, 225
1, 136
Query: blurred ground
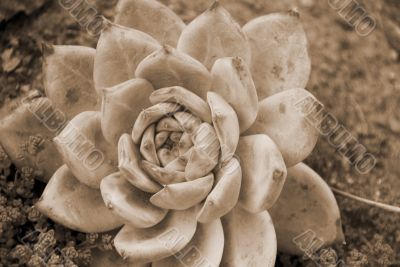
355, 77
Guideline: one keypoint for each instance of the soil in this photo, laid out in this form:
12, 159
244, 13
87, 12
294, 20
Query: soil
355, 77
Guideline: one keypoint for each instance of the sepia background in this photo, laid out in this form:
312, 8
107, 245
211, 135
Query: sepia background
356, 77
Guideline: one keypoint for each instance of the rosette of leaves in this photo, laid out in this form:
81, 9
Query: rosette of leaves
186, 136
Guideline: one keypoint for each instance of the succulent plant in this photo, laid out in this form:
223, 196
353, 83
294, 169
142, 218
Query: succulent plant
187, 136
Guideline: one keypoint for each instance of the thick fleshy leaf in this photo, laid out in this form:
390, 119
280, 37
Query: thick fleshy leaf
224, 195
189, 122
26, 136
305, 204
161, 241
212, 35
149, 116
129, 165
205, 139
183, 97
205, 248
168, 67
232, 80
148, 146
152, 17
199, 164
130, 203
183, 195
163, 175
225, 123
250, 239
68, 78
264, 172
67, 201
122, 105
118, 53
84, 149
279, 53
111, 258
281, 119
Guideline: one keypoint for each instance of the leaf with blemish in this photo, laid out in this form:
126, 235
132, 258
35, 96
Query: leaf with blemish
68, 78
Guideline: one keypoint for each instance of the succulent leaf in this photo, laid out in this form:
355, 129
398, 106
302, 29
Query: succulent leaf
199, 164
168, 67
84, 149
226, 125
280, 118
212, 35
225, 193
151, 17
158, 242
130, 203
26, 136
264, 172
232, 80
306, 203
163, 175
75, 205
183, 97
68, 78
150, 116
205, 248
118, 53
279, 57
250, 239
129, 165
121, 106
181, 196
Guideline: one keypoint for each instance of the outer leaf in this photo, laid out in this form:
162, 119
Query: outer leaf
280, 118
205, 248
212, 35
152, 17
250, 239
264, 172
163, 240
119, 51
232, 80
75, 205
111, 258
279, 53
85, 151
68, 78
305, 204
168, 67
26, 136
122, 105
130, 203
